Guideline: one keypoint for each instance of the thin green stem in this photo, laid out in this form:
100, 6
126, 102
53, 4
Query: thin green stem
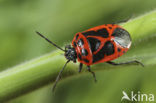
30, 75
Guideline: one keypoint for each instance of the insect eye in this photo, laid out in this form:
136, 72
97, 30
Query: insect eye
122, 37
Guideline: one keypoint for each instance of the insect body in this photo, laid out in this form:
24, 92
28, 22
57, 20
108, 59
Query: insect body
97, 45
101, 44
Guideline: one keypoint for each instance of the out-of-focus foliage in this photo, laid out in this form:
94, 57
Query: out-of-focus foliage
60, 20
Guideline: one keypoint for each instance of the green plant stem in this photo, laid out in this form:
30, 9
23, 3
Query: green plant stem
142, 26
30, 75
43, 70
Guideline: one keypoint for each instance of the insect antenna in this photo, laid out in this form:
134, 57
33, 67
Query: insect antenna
49, 41
59, 75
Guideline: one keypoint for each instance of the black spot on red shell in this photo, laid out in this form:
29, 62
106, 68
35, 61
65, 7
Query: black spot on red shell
80, 42
75, 44
84, 52
86, 60
119, 49
124, 52
79, 56
89, 33
110, 27
101, 32
94, 44
107, 49
77, 36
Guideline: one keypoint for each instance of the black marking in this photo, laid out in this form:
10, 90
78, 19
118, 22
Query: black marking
94, 44
77, 36
110, 27
80, 42
119, 49
79, 55
86, 60
84, 52
101, 32
107, 49
124, 52
75, 44
89, 33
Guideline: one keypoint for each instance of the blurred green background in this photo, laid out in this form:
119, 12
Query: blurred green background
59, 20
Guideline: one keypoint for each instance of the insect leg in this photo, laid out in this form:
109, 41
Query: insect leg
59, 75
129, 62
88, 67
80, 67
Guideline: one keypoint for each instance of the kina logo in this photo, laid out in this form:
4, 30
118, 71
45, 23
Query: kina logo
137, 96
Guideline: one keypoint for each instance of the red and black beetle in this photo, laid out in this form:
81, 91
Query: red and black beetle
96, 45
